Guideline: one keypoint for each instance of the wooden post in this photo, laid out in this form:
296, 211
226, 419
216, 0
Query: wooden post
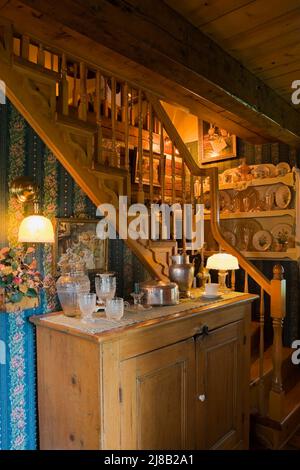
261, 352
278, 311
82, 111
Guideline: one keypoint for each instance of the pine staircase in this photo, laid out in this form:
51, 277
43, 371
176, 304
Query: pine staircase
102, 129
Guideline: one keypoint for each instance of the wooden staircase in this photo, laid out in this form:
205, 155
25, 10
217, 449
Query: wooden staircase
101, 128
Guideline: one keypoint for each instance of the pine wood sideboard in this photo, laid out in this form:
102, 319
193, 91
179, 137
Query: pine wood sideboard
180, 381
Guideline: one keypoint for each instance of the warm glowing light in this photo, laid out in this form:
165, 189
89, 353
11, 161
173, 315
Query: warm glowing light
36, 229
222, 261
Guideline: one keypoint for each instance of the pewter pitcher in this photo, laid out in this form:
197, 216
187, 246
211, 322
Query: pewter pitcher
182, 272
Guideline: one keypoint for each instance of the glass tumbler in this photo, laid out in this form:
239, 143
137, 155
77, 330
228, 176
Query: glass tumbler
87, 305
115, 308
105, 287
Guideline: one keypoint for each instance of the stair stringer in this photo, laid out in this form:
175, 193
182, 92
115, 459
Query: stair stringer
22, 89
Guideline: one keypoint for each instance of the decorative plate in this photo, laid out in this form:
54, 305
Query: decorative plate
244, 230
282, 232
230, 237
261, 171
272, 170
283, 196
248, 200
262, 240
271, 191
225, 201
283, 168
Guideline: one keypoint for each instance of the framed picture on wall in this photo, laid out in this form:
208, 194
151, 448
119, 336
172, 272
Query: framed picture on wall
217, 144
146, 168
76, 240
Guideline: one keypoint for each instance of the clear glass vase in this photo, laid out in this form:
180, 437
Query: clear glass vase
69, 286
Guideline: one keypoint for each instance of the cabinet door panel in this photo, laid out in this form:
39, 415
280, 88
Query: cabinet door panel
158, 392
220, 388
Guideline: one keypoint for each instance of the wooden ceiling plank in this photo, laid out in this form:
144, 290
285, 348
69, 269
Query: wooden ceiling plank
272, 29
202, 13
249, 16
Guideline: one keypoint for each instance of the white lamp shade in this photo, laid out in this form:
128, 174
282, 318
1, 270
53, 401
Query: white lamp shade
36, 229
222, 261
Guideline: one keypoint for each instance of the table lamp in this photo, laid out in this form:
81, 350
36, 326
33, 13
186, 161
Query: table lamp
223, 262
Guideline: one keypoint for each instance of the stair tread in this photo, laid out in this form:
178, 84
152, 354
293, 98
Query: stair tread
292, 399
268, 365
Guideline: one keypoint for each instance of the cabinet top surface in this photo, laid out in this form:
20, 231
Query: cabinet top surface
103, 329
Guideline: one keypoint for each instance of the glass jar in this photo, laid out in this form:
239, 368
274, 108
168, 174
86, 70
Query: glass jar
69, 286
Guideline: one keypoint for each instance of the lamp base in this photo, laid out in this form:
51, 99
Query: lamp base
222, 281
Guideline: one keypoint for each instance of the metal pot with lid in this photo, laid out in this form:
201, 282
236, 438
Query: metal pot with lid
159, 293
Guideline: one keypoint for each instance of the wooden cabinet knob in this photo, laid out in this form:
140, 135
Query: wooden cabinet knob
201, 397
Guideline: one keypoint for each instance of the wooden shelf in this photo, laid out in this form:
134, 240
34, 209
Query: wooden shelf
287, 179
256, 215
290, 255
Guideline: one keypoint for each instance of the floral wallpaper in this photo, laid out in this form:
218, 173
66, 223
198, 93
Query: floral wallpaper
23, 153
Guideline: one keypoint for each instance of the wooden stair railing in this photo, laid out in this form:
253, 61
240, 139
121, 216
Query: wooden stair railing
102, 118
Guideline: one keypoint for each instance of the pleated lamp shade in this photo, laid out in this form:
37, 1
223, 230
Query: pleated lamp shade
36, 229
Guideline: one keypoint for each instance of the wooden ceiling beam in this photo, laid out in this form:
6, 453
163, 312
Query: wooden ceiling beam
153, 35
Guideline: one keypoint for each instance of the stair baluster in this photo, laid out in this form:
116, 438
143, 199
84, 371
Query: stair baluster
173, 170
141, 196
98, 136
63, 87
126, 140
105, 100
82, 110
246, 286
41, 56
183, 206
74, 91
232, 279
113, 121
151, 151
25, 44
162, 162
